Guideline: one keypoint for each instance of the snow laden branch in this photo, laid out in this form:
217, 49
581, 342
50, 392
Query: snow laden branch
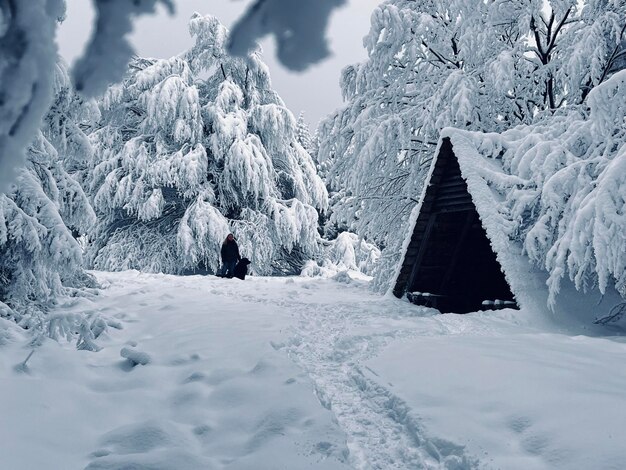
109, 51
298, 28
27, 61
567, 204
28, 54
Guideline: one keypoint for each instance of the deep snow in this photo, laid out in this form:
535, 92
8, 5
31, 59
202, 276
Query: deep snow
294, 373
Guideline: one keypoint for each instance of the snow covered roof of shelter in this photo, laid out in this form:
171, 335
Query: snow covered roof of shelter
552, 200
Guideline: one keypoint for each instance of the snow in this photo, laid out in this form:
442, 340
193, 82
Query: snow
161, 372
308, 373
519, 400
135, 357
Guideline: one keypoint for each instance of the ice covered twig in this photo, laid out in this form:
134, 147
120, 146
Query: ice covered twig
23, 366
615, 314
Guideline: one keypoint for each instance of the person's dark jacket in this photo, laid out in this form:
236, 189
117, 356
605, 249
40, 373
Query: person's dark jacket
230, 251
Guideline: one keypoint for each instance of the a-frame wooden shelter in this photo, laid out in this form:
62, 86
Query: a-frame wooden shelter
449, 262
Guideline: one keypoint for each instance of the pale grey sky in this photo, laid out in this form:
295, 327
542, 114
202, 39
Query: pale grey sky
316, 91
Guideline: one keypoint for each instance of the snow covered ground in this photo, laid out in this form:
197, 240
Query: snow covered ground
299, 373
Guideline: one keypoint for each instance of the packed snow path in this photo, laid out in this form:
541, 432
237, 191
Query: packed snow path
295, 373
331, 341
336, 330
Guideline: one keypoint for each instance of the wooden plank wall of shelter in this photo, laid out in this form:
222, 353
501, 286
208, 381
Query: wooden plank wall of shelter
422, 227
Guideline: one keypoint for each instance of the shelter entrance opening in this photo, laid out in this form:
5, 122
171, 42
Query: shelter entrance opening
457, 271
449, 263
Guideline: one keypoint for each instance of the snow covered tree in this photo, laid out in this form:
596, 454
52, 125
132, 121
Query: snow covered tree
28, 56
40, 260
563, 189
484, 66
303, 134
181, 161
345, 252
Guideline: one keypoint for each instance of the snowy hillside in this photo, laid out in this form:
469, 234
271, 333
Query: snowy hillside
296, 373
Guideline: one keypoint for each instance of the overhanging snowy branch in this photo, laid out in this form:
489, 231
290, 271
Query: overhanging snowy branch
27, 60
109, 51
298, 27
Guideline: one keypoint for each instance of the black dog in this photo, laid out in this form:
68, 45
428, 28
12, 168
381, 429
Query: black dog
242, 268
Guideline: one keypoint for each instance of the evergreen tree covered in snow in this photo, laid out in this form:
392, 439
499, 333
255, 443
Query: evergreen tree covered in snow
40, 260
345, 252
192, 148
303, 134
484, 66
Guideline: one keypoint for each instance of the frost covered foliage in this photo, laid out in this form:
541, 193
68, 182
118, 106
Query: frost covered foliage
298, 28
27, 60
192, 148
567, 199
28, 54
345, 253
303, 134
40, 260
476, 65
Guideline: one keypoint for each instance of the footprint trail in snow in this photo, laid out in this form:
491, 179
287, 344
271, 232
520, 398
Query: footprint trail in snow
330, 342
